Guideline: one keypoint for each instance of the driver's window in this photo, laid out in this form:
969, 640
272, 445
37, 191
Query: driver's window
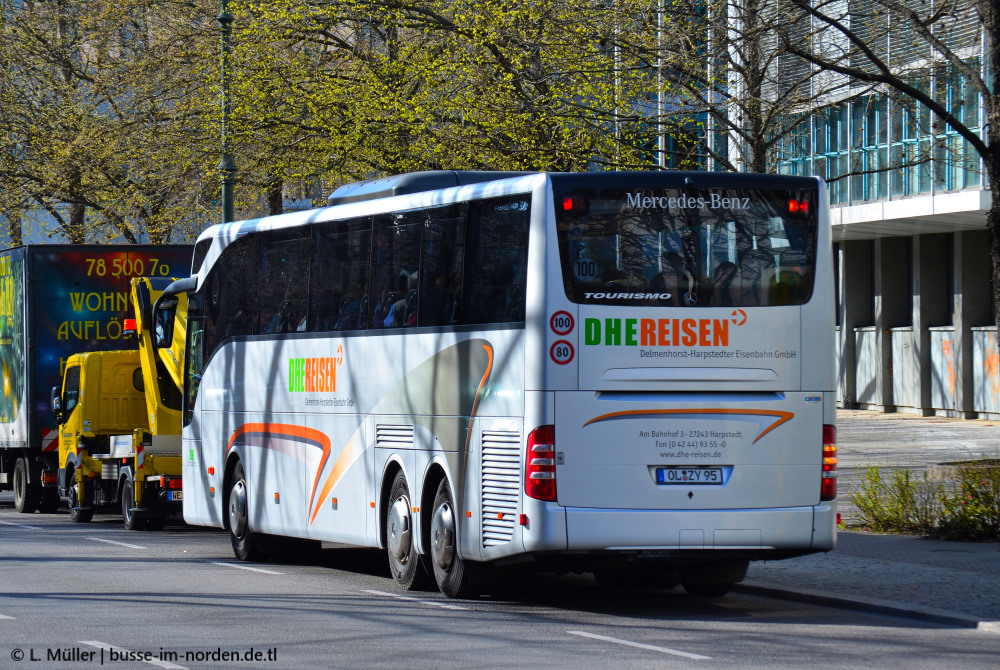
71, 390
163, 323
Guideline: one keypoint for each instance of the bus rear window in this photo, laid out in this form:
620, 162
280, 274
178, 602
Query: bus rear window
716, 248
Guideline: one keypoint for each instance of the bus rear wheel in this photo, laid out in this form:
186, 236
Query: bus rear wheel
245, 546
454, 575
401, 547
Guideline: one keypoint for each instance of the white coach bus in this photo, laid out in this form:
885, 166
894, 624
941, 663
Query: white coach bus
623, 373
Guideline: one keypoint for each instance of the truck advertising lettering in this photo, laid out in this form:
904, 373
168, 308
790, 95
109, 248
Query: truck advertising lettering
11, 337
79, 298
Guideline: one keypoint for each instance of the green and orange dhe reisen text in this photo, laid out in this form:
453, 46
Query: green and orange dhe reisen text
661, 332
315, 374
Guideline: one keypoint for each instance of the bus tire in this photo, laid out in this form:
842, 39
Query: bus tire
454, 575
400, 540
715, 581
26, 493
245, 545
129, 518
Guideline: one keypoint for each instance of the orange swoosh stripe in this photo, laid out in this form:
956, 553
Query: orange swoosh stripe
347, 456
290, 432
780, 417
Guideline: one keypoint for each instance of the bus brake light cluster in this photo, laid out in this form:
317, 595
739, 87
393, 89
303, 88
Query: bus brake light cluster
540, 464
828, 486
798, 206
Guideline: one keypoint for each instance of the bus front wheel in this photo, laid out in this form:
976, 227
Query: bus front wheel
245, 546
451, 572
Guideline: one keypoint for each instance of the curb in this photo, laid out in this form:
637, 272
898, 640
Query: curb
872, 605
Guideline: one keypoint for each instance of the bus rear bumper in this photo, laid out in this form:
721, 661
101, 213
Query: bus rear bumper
758, 532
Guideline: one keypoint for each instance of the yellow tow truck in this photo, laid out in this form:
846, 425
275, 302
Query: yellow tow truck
119, 418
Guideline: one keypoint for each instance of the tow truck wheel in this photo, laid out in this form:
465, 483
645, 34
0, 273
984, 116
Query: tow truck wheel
129, 518
26, 494
245, 545
75, 514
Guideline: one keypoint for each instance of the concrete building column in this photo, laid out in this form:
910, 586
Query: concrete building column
930, 304
970, 307
855, 263
891, 305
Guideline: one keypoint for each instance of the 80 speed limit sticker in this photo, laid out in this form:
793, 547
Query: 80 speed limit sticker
561, 352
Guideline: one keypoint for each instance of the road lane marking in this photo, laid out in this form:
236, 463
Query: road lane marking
4, 616
247, 567
432, 603
20, 525
640, 645
119, 544
167, 665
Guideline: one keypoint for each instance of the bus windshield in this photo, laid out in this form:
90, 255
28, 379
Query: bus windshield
687, 248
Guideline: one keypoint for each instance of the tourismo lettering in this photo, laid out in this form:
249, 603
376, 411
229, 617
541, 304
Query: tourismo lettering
657, 332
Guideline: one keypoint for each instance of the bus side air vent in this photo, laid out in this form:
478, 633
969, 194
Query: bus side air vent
501, 483
393, 437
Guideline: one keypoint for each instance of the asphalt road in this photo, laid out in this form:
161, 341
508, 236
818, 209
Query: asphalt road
79, 596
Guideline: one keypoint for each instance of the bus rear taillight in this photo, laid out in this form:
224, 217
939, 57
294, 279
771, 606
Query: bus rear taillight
828, 486
540, 464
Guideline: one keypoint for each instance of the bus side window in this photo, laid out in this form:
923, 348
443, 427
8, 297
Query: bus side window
340, 275
496, 260
284, 295
440, 267
395, 262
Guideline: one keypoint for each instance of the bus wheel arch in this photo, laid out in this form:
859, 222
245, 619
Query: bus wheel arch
432, 480
392, 468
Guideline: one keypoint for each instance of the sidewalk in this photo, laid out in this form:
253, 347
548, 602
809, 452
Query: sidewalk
953, 583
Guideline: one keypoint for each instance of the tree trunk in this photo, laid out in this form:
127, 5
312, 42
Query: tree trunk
275, 192
14, 226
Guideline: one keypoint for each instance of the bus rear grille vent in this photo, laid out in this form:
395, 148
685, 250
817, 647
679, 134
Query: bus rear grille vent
501, 485
393, 437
